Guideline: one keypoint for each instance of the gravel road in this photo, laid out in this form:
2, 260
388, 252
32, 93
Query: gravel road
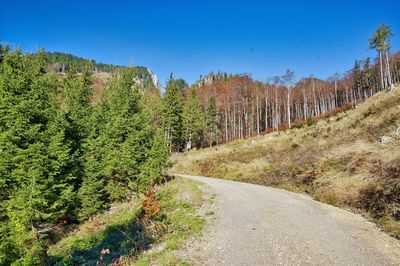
258, 225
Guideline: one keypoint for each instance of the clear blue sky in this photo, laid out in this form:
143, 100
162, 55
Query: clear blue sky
190, 38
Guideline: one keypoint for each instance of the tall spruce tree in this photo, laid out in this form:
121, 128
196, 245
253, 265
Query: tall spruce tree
152, 105
380, 41
211, 121
92, 193
172, 112
159, 152
127, 132
156, 161
368, 76
77, 96
358, 77
193, 120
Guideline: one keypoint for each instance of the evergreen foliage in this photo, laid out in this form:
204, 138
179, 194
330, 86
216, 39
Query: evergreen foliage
193, 120
211, 122
35, 187
63, 62
62, 158
172, 112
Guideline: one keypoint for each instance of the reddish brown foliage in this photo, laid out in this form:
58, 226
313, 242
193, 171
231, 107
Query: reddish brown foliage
151, 206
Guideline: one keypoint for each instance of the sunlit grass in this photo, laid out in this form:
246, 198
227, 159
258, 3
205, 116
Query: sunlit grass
130, 241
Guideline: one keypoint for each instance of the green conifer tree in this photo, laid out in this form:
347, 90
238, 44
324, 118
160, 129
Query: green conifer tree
193, 120
77, 96
34, 181
211, 121
172, 112
155, 163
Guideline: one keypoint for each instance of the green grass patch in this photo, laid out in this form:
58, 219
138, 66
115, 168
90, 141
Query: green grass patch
126, 239
388, 224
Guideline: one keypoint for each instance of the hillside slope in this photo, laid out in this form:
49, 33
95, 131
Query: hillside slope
350, 160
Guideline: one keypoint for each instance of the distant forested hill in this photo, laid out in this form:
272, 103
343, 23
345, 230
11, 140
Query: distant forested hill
62, 62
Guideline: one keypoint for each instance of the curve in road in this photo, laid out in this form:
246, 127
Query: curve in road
258, 225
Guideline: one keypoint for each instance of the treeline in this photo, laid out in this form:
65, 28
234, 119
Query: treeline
224, 107
63, 62
246, 107
220, 107
63, 158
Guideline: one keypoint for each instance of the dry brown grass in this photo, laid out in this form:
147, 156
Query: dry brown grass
339, 160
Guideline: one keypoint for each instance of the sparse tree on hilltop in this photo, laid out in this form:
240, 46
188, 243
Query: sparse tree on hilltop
380, 41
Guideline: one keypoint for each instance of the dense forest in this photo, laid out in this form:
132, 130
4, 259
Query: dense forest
64, 158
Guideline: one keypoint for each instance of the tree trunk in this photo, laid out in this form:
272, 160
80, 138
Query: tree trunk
266, 110
388, 71
258, 116
305, 105
380, 60
226, 125
336, 98
189, 144
315, 100
288, 107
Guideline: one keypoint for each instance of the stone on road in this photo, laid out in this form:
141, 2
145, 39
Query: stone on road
258, 225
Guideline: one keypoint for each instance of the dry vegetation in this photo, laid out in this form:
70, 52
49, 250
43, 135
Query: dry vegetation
340, 160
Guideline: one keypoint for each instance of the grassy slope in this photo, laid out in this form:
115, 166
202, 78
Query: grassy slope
130, 240
338, 160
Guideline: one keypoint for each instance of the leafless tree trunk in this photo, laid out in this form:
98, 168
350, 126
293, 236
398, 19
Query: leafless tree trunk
388, 71
258, 115
266, 109
226, 125
381, 66
305, 104
336, 96
288, 107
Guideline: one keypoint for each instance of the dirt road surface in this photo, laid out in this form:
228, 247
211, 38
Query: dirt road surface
258, 225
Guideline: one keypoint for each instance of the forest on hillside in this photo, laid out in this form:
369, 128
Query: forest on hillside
222, 107
63, 62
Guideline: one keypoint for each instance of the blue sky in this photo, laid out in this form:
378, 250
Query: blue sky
190, 38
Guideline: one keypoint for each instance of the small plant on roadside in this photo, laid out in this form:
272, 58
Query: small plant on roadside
151, 206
